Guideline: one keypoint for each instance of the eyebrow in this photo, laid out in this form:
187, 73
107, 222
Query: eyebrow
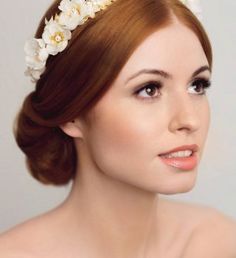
167, 75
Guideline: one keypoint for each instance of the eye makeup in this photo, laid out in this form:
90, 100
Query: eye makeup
199, 83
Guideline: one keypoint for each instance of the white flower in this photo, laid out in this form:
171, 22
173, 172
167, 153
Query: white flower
36, 53
91, 10
74, 13
102, 4
194, 6
57, 33
34, 73
55, 36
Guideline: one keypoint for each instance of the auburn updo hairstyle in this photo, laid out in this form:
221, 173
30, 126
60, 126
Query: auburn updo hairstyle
75, 79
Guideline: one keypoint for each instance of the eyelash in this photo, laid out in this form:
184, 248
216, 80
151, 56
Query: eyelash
205, 85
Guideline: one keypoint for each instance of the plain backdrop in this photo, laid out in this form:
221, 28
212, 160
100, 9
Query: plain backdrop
22, 197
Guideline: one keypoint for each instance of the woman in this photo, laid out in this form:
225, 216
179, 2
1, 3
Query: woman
120, 108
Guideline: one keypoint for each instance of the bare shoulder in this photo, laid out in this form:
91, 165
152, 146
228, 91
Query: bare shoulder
211, 232
13, 242
22, 240
215, 236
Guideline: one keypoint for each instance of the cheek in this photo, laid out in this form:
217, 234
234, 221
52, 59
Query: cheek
208, 114
121, 143
121, 133
205, 117
202, 133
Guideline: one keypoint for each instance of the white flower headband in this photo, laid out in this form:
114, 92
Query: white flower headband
57, 31
194, 6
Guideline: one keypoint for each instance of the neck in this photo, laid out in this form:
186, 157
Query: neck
119, 216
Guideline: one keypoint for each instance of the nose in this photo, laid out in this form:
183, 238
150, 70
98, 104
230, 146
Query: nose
185, 116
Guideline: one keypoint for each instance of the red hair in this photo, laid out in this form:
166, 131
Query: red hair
77, 78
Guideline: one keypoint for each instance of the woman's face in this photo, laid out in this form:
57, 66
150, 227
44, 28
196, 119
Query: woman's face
130, 128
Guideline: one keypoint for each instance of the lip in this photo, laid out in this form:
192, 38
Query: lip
182, 163
193, 147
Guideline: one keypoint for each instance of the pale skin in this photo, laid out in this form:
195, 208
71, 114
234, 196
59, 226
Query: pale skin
114, 208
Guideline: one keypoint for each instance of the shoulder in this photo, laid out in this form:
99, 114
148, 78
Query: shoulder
11, 244
23, 240
215, 236
211, 233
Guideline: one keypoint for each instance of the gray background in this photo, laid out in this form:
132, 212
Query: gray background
22, 197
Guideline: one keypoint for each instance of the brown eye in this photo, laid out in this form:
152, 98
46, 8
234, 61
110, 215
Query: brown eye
150, 90
200, 86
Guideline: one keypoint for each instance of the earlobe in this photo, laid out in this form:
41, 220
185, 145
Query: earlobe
72, 129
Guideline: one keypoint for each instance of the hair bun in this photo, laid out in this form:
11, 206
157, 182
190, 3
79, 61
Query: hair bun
50, 153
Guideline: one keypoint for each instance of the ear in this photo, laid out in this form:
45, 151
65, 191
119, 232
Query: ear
72, 128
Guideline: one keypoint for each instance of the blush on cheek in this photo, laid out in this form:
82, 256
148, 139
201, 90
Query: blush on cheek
121, 135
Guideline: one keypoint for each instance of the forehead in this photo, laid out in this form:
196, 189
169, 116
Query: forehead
173, 48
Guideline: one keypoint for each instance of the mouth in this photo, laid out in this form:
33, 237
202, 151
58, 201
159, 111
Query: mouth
183, 157
187, 163
181, 151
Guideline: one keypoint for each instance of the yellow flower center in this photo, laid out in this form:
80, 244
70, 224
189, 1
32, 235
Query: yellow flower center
74, 10
58, 37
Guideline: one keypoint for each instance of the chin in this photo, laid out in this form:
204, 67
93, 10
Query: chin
184, 187
175, 186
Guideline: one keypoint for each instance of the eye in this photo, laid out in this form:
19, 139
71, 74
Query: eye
200, 85
150, 89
